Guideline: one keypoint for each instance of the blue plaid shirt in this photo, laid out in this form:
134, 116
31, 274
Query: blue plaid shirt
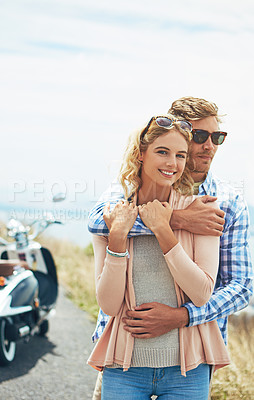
233, 287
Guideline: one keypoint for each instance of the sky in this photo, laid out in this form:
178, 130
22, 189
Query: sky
78, 76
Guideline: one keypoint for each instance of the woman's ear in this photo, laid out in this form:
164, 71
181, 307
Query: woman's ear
140, 157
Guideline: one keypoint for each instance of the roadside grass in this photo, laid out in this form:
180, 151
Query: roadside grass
236, 381
75, 269
76, 273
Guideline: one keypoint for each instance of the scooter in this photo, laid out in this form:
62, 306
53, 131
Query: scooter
27, 294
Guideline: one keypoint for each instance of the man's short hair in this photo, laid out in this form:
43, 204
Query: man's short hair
193, 108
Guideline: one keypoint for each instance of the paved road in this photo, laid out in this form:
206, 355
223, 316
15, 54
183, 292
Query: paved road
53, 367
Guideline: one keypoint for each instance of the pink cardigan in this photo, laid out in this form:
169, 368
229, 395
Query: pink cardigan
193, 263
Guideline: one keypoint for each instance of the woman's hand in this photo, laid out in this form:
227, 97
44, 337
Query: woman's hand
122, 217
155, 214
156, 217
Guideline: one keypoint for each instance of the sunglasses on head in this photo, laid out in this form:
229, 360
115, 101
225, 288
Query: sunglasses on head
167, 122
200, 136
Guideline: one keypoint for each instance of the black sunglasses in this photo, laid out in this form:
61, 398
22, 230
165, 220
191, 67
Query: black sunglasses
167, 122
200, 136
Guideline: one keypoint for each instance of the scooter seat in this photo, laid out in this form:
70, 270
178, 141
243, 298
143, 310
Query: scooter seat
6, 270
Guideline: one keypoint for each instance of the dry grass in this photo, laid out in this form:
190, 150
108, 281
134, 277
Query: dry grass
75, 270
76, 274
237, 381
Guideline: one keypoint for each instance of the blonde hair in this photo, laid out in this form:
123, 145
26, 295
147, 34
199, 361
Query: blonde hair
130, 172
193, 108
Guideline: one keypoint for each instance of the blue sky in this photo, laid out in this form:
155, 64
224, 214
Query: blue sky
77, 77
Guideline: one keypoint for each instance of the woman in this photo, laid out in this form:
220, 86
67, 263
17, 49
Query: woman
169, 267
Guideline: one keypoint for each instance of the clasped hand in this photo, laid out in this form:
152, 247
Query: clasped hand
123, 216
154, 214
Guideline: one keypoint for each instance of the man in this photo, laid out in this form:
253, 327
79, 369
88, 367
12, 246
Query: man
233, 287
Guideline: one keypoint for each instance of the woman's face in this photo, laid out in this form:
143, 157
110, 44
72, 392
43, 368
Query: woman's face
164, 160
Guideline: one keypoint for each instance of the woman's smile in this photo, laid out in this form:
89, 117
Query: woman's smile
166, 173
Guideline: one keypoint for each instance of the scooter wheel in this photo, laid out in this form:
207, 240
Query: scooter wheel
44, 327
7, 347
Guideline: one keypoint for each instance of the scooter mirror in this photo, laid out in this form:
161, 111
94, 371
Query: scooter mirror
14, 226
48, 217
59, 197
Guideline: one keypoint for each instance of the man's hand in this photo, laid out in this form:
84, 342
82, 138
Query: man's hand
199, 217
154, 319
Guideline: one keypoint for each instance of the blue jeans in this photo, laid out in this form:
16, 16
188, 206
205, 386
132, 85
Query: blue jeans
166, 383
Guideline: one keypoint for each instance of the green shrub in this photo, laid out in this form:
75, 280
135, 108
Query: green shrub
89, 250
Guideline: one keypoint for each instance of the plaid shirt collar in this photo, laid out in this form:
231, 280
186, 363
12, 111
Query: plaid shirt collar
208, 186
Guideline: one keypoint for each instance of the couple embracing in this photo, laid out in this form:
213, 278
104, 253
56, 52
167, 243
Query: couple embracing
170, 266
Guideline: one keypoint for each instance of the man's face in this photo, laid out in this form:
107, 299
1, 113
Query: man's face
201, 155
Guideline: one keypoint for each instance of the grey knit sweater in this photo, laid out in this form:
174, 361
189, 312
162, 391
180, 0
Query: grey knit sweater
153, 281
